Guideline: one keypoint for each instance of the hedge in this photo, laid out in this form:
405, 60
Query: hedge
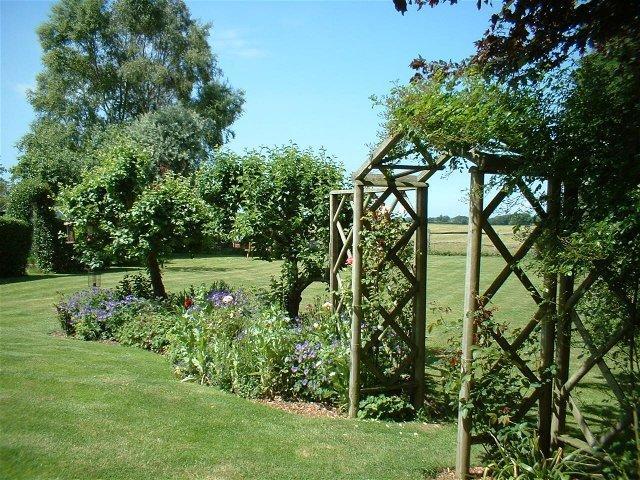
15, 243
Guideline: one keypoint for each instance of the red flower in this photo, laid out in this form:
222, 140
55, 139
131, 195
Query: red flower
187, 302
349, 261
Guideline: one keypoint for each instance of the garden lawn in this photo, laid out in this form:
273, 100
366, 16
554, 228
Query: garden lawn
74, 409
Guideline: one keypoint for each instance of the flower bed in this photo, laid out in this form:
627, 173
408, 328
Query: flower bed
220, 336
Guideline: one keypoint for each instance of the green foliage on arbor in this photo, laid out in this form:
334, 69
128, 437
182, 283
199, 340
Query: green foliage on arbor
15, 242
284, 210
456, 112
109, 61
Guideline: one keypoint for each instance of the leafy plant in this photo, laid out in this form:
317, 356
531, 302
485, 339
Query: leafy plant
516, 455
137, 285
383, 407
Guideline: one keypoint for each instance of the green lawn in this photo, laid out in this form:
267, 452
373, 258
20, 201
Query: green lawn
74, 409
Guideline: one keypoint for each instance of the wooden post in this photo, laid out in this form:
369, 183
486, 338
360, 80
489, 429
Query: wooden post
562, 355
356, 288
420, 304
472, 290
563, 332
547, 331
334, 249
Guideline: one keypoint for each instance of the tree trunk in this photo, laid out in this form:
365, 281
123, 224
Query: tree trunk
292, 302
156, 277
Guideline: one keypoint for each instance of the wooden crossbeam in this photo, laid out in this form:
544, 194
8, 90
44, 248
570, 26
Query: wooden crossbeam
343, 199
380, 200
497, 200
403, 201
508, 269
389, 321
343, 253
403, 268
343, 237
506, 254
526, 404
377, 156
602, 365
531, 198
593, 359
582, 424
435, 167
513, 354
382, 180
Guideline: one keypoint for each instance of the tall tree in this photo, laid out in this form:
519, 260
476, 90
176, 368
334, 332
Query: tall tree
108, 61
284, 212
129, 208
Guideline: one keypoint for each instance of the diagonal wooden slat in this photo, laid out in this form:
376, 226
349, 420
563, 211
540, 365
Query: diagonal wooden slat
403, 268
391, 322
582, 424
378, 155
579, 292
336, 215
526, 404
506, 254
606, 438
380, 200
602, 365
531, 198
407, 207
497, 200
593, 359
343, 253
513, 354
519, 255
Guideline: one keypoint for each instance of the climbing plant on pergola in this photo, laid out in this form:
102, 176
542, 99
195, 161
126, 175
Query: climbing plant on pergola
403, 164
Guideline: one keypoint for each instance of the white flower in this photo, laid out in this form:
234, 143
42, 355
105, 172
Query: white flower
327, 305
316, 325
227, 299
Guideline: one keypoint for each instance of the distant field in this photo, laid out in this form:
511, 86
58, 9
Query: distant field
449, 239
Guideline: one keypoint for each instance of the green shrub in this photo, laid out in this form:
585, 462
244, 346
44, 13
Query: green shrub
146, 325
318, 368
15, 243
137, 285
32, 201
383, 407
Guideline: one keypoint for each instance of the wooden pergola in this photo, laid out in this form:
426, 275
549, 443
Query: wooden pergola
402, 165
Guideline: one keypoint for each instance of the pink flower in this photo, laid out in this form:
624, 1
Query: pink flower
349, 261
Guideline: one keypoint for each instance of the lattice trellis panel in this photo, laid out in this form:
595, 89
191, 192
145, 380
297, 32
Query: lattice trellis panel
566, 385
394, 169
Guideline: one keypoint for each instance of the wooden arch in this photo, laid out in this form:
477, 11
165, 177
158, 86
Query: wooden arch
401, 165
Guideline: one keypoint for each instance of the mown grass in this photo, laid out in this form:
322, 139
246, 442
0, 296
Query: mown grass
73, 409
447, 239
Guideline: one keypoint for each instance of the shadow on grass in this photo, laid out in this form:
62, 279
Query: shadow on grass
33, 276
197, 269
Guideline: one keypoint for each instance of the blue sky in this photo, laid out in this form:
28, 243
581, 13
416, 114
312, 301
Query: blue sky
307, 69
